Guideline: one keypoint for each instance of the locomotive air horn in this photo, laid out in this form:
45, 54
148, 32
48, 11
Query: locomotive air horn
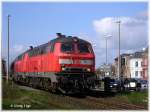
59, 34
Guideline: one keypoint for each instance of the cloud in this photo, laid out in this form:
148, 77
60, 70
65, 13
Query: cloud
17, 50
14, 51
102, 26
142, 15
134, 32
134, 35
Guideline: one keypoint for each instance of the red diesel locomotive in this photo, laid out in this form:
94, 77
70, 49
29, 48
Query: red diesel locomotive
66, 64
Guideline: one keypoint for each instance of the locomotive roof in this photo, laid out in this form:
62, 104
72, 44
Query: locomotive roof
61, 39
68, 39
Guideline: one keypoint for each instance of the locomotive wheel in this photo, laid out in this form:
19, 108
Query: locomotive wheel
49, 84
53, 88
26, 81
45, 83
30, 82
40, 82
34, 81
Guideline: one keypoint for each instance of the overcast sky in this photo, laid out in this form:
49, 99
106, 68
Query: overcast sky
37, 23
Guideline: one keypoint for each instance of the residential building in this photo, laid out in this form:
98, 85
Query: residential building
133, 65
124, 70
145, 64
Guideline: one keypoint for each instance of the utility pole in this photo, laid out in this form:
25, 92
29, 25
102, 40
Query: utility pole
106, 58
119, 64
7, 77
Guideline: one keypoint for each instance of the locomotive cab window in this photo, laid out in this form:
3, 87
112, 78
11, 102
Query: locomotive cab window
67, 47
83, 48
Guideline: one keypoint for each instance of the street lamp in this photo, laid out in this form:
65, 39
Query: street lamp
107, 37
119, 65
143, 48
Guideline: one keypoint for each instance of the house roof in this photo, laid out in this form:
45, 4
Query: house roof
137, 54
123, 55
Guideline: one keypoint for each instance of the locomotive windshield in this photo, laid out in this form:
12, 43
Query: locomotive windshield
83, 48
67, 47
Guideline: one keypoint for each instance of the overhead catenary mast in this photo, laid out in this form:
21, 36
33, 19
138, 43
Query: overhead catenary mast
8, 73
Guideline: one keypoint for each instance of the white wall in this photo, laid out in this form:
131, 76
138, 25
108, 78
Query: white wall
133, 68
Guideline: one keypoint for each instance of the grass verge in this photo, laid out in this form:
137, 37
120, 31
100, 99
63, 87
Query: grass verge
15, 97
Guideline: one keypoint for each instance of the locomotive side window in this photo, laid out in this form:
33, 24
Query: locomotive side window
34, 52
83, 48
20, 57
52, 47
67, 47
39, 50
43, 50
29, 53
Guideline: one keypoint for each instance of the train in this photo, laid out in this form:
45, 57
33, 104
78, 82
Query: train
65, 64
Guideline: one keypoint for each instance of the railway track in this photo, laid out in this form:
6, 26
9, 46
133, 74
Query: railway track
89, 102
117, 104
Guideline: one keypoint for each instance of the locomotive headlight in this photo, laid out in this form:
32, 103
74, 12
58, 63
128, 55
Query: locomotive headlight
88, 69
65, 61
86, 62
63, 68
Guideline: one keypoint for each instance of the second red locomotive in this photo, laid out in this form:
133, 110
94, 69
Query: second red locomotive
66, 64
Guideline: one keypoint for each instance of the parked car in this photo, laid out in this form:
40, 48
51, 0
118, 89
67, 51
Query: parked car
135, 84
114, 85
144, 84
130, 84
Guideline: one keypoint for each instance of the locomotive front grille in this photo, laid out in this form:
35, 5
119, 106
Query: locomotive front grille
75, 69
70, 69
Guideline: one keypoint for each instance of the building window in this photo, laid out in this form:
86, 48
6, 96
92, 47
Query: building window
136, 64
122, 61
136, 73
